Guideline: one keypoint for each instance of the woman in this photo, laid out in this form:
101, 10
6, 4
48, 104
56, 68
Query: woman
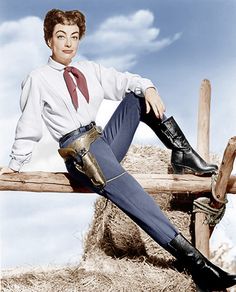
67, 98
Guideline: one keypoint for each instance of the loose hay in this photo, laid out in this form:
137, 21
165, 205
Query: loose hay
118, 255
107, 275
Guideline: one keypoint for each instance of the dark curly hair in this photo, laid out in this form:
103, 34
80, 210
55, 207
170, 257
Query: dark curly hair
55, 16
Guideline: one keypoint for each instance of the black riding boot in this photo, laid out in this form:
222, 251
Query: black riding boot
183, 155
205, 274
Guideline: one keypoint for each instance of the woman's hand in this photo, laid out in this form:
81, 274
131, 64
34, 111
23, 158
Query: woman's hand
154, 101
4, 170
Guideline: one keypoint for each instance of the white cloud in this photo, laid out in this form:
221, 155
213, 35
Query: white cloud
124, 38
225, 231
223, 106
119, 62
40, 228
22, 46
22, 49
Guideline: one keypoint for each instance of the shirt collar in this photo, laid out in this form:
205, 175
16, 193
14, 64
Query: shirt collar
55, 65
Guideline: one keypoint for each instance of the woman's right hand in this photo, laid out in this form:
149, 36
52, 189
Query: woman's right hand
5, 170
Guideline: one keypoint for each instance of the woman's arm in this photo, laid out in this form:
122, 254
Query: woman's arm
115, 84
29, 127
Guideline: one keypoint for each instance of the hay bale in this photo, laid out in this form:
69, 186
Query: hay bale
117, 235
147, 159
113, 233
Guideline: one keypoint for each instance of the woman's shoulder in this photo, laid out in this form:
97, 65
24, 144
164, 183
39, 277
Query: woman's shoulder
34, 75
36, 72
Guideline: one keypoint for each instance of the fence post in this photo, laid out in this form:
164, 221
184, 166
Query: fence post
202, 231
226, 167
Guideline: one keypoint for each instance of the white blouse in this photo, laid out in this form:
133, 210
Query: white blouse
45, 97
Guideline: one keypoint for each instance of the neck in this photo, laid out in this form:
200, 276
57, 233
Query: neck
63, 62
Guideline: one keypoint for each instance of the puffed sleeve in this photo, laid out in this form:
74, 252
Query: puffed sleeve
116, 84
29, 127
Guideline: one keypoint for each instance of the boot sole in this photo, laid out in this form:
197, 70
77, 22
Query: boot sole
179, 169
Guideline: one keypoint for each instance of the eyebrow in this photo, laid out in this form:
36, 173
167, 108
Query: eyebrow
65, 32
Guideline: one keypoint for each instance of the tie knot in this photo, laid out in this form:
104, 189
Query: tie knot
71, 69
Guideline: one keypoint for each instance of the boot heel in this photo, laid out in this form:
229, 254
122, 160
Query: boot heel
178, 169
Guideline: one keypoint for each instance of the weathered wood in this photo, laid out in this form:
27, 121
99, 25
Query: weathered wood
152, 183
202, 234
225, 170
202, 231
204, 119
39, 182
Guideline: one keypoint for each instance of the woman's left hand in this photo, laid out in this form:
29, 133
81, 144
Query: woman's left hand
154, 101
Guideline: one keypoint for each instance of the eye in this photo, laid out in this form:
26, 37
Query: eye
75, 37
60, 37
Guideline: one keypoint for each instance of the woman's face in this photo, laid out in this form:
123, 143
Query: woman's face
64, 43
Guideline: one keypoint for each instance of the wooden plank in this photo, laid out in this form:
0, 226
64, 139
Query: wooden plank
152, 183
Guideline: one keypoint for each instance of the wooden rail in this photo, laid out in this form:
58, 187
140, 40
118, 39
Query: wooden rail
152, 183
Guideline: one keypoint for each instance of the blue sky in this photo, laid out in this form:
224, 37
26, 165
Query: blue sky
175, 43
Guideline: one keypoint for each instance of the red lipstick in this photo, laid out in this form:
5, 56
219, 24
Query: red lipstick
67, 51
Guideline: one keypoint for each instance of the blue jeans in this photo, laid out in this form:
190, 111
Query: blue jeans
121, 188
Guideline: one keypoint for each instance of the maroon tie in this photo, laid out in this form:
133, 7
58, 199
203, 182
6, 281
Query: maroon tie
81, 83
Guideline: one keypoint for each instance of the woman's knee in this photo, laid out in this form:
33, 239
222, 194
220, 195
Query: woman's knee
131, 99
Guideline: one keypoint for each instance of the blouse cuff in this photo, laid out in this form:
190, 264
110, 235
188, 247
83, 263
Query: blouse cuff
15, 165
146, 83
